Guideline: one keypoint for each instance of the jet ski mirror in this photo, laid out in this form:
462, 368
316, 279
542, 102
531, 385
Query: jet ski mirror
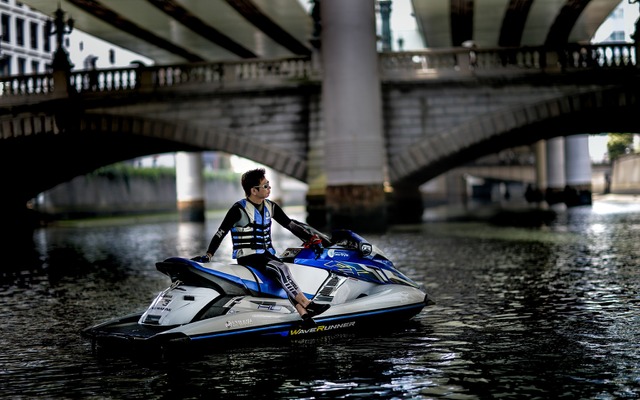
351, 240
366, 249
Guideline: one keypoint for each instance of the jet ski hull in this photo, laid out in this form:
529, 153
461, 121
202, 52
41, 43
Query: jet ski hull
209, 302
247, 325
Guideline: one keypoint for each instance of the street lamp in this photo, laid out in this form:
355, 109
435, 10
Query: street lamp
60, 27
385, 16
636, 34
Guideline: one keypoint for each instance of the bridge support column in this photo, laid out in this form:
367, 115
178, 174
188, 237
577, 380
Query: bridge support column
541, 163
190, 187
351, 98
578, 171
555, 171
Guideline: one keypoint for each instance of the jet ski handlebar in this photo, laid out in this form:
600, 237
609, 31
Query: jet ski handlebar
341, 237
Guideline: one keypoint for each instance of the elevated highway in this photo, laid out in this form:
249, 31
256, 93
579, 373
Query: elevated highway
179, 31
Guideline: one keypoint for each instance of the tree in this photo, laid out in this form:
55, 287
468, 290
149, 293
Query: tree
619, 144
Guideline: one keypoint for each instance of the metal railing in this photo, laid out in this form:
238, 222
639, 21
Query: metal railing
426, 64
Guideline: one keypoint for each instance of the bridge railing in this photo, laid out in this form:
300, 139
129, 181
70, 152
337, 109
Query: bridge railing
438, 63
112, 79
424, 64
148, 78
18, 85
604, 55
225, 73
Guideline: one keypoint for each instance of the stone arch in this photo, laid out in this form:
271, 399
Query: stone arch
198, 138
593, 111
48, 151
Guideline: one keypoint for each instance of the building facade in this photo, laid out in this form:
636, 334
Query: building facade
27, 44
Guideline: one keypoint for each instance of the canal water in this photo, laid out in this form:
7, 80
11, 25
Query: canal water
543, 313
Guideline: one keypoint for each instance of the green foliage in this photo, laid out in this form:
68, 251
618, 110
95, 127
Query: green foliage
619, 144
222, 175
125, 171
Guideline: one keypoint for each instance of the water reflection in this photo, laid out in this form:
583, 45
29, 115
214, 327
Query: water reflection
549, 312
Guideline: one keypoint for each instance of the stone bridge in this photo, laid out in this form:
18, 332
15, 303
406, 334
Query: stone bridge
441, 109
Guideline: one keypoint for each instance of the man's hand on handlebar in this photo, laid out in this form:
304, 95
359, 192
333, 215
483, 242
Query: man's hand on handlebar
315, 243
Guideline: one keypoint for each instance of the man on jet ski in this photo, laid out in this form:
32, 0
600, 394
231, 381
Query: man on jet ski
249, 221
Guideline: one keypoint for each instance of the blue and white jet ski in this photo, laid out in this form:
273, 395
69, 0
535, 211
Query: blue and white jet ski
209, 301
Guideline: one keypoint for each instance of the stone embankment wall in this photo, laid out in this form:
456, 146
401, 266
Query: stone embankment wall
625, 178
99, 195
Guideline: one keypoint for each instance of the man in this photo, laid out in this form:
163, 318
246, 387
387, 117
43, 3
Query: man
249, 220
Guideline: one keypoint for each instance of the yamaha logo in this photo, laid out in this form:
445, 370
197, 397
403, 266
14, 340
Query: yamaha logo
237, 324
338, 253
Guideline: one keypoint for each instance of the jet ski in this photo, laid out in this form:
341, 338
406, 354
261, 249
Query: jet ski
212, 301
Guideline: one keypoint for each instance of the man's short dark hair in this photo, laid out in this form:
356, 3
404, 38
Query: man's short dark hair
252, 179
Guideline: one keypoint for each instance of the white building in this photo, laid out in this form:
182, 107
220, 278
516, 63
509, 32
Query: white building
620, 25
27, 46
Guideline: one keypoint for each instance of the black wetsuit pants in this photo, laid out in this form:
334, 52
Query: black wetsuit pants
272, 266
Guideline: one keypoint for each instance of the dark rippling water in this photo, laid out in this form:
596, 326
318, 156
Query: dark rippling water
521, 313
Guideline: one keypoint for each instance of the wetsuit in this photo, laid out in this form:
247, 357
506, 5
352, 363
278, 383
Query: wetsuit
250, 226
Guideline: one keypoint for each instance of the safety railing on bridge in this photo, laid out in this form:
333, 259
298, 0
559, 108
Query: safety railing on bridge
426, 64
112, 79
148, 78
221, 73
606, 55
438, 63
25, 84
225, 73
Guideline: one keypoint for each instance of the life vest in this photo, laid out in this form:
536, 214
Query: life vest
252, 233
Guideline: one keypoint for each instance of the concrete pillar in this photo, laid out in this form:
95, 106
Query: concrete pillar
351, 95
190, 187
577, 170
533, 192
555, 171
541, 164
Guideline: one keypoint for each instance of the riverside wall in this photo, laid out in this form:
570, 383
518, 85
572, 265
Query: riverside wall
86, 196
625, 178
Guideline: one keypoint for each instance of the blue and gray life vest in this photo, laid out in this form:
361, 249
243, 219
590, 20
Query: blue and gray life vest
252, 234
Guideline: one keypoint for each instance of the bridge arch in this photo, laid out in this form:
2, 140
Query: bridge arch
46, 154
608, 109
199, 138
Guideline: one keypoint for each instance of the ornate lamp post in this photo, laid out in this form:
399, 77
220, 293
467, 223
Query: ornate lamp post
317, 24
636, 34
385, 15
65, 114
60, 27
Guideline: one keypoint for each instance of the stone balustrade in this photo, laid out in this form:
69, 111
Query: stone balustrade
410, 65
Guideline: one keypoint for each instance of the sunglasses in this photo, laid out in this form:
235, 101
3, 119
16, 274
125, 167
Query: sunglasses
265, 186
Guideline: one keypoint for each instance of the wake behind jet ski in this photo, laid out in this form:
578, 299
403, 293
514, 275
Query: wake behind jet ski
212, 301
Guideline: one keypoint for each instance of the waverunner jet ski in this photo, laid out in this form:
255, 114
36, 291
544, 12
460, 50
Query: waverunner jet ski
209, 301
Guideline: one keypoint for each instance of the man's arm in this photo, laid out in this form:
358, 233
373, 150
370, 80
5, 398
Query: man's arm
283, 219
233, 215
